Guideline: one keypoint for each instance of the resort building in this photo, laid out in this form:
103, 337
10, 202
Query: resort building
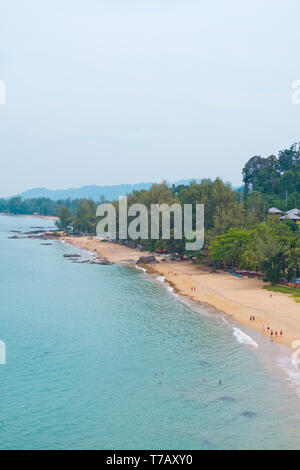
293, 215
274, 211
293, 212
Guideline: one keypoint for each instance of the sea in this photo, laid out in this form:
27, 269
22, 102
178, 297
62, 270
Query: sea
109, 357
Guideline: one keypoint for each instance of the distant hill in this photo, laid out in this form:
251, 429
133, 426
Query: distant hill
89, 192
94, 192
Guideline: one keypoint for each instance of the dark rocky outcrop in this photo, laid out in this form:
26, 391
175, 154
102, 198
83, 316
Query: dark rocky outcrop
102, 261
36, 232
147, 260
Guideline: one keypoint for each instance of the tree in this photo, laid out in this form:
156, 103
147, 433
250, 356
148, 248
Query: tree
15, 205
276, 179
86, 219
276, 250
233, 248
65, 218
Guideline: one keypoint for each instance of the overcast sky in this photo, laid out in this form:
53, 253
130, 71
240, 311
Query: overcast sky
124, 91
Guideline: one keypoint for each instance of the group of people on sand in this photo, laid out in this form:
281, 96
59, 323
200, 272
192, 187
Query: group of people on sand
193, 289
269, 330
272, 332
172, 273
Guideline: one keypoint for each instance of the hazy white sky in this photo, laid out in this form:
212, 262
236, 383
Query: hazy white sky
123, 91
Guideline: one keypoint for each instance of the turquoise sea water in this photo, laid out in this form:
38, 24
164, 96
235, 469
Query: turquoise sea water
107, 331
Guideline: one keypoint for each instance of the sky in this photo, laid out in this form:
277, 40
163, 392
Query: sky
124, 91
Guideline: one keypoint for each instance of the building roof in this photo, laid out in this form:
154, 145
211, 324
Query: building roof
293, 212
274, 210
291, 217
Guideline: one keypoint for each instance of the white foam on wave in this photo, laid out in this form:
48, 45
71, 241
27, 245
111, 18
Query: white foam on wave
243, 338
162, 280
142, 269
292, 372
170, 288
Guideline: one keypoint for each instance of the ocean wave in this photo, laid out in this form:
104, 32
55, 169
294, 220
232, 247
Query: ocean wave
162, 279
243, 338
293, 373
142, 269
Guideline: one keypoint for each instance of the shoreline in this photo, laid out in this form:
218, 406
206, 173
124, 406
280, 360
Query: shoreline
237, 298
35, 216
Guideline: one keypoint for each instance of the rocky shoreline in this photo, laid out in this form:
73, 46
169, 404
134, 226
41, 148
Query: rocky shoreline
96, 259
54, 235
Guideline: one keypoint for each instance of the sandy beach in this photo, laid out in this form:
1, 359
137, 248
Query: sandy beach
35, 216
239, 298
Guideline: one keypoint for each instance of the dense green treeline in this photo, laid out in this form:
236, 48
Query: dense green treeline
272, 248
77, 214
83, 220
43, 206
223, 209
273, 181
